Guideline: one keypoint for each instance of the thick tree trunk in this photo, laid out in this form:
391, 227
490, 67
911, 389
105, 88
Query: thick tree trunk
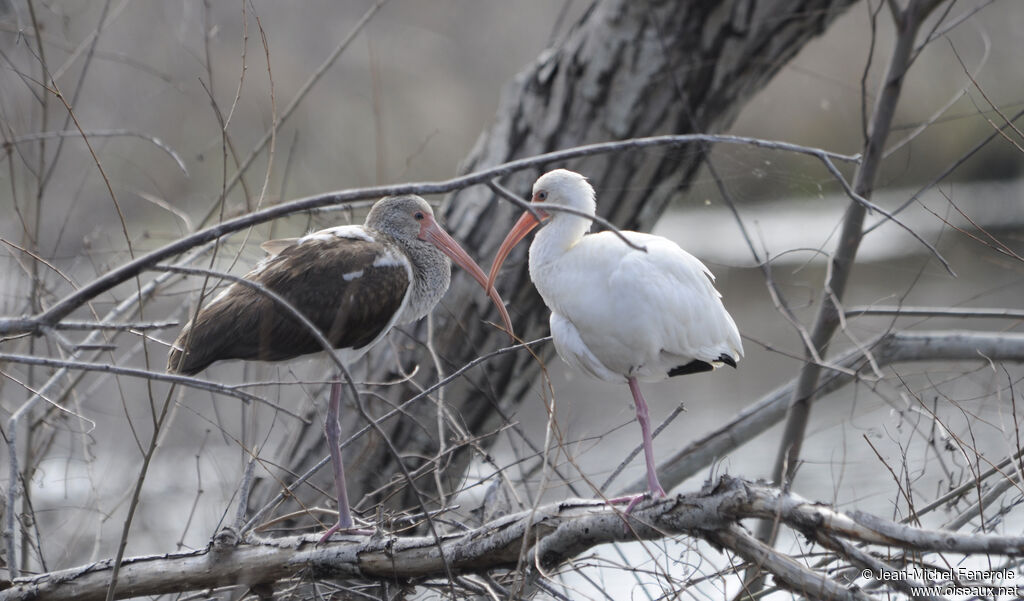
626, 69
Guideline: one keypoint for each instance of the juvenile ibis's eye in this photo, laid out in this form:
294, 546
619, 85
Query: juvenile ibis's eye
418, 215
542, 195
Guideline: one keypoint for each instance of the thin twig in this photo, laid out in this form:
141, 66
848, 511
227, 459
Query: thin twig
71, 324
102, 133
948, 170
135, 372
300, 95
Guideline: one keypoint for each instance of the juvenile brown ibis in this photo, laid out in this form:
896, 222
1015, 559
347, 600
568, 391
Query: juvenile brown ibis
354, 282
618, 313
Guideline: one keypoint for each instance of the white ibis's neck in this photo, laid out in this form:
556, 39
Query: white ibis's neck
554, 239
431, 274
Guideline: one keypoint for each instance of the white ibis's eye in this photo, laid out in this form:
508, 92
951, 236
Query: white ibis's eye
418, 215
542, 195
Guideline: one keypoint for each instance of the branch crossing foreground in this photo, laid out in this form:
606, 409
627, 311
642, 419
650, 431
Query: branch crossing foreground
544, 538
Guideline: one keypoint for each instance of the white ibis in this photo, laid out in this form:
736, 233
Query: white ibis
353, 282
618, 313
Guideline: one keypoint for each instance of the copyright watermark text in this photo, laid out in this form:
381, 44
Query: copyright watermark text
955, 581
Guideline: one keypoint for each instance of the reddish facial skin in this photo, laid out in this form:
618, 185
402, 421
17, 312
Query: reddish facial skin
526, 223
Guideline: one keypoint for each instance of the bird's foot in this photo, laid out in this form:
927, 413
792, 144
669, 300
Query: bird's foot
633, 500
343, 529
630, 500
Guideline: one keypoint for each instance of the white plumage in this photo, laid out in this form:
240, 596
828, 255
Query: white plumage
618, 313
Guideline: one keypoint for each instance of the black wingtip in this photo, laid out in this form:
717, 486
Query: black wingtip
697, 366
693, 367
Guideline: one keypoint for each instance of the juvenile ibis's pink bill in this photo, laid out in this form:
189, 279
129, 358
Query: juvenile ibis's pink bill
433, 233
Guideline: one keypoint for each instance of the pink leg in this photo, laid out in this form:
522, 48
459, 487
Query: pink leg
645, 429
333, 430
653, 486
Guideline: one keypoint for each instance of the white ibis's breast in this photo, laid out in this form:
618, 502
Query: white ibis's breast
619, 312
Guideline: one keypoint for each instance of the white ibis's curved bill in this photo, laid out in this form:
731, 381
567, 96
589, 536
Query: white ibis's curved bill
433, 233
522, 227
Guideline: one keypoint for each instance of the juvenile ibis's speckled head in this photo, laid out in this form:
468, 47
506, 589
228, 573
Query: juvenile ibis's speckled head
401, 217
558, 187
410, 222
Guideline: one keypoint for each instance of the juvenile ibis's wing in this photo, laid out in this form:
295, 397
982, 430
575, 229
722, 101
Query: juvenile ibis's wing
352, 289
274, 247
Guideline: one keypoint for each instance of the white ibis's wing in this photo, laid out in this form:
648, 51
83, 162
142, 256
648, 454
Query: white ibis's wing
695, 320
571, 348
351, 288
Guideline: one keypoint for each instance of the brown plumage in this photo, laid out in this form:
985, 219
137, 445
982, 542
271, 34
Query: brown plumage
244, 323
354, 283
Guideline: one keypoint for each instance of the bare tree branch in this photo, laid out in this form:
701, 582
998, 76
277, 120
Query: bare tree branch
21, 325
907, 311
908, 22
147, 374
552, 534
